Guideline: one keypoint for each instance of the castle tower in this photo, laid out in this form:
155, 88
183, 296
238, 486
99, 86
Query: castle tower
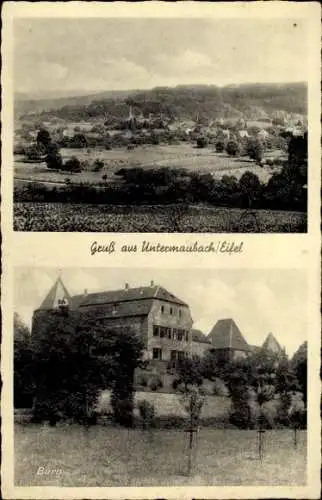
271, 344
58, 298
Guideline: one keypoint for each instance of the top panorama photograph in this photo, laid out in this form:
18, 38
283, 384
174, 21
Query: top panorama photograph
160, 125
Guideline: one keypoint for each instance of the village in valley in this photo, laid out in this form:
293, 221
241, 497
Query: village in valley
141, 164
129, 364
166, 133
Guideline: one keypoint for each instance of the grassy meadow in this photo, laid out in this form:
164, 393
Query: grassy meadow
109, 456
175, 156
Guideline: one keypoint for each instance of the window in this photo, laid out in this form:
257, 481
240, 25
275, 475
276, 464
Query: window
157, 353
174, 333
187, 336
163, 332
173, 355
181, 355
180, 312
155, 331
169, 333
171, 310
180, 334
162, 309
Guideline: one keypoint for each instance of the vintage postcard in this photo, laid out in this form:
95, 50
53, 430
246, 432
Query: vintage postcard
150, 348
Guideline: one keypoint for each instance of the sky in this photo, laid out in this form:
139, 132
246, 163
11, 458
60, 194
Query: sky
260, 301
91, 55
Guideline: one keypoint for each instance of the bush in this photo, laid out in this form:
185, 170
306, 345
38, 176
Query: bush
202, 142
220, 146
123, 410
232, 148
147, 413
241, 415
72, 165
255, 150
98, 165
142, 381
155, 384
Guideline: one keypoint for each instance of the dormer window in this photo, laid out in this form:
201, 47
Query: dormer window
62, 302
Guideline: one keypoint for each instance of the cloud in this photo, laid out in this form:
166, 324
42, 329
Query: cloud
187, 62
40, 74
78, 280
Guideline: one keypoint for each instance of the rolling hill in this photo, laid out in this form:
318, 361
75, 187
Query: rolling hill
209, 102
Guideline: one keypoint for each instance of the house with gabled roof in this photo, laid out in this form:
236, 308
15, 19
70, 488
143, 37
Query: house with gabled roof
227, 341
162, 320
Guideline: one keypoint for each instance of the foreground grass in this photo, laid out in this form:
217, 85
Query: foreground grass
153, 219
107, 456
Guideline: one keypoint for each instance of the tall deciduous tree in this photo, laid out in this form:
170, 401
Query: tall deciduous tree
23, 375
75, 357
299, 365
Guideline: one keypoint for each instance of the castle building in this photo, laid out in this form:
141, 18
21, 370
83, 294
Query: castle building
162, 320
227, 341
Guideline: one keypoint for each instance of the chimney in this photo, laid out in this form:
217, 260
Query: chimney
85, 292
152, 283
126, 286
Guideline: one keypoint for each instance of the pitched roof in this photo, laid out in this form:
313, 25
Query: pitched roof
255, 348
198, 336
226, 335
271, 344
126, 295
57, 292
115, 303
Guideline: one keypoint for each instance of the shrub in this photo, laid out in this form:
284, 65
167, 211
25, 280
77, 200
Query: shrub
123, 410
241, 415
142, 381
175, 384
156, 383
72, 165
232, 148
19, 150
98, 165
147, 413
255, 150
220, 146
202, 142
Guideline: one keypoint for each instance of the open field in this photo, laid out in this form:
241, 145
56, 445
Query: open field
109, 456
152, 219
179, 156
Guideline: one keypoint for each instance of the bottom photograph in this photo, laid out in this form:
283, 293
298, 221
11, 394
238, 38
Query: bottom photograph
160, 377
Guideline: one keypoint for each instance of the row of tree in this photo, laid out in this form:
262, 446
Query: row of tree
61, 370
